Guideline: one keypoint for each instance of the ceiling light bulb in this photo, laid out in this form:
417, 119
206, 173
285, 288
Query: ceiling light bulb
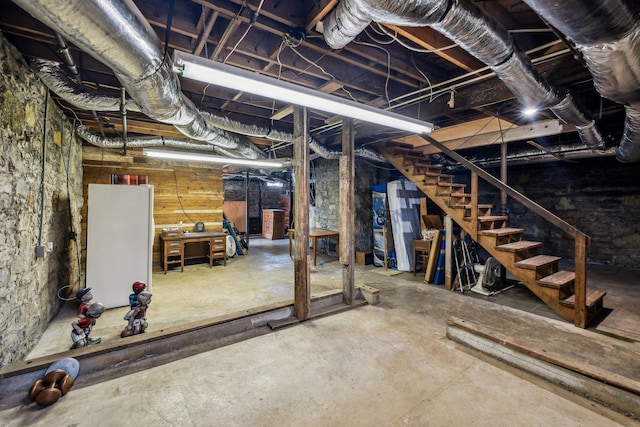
530, 111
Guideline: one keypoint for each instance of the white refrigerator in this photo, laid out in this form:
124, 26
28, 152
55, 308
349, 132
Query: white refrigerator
120, 233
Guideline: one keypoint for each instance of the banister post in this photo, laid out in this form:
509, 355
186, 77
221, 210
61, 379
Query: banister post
474, 205
580, 283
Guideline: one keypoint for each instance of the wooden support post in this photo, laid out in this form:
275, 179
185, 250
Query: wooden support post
347, 214
246, 207
580, 282
448, 235
302, 279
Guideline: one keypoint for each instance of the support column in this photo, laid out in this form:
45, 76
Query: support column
448, 251
246, 207
347, 214
302, 277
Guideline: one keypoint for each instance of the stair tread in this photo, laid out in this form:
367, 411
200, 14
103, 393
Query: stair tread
537, 261
501, 231
493, 218
468, 206
593, 297
450, 184
518, 246
421, 164
558, 279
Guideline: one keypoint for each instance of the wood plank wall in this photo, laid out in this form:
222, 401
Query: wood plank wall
183, 191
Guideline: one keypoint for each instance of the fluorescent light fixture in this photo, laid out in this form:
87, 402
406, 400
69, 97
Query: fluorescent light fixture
209, 158
275, 184
219, 74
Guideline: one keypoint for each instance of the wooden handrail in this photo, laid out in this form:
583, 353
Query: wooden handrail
533, 206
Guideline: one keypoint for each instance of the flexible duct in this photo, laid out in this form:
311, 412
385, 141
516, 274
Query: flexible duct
54, 77
607, 33
117, 34
468, 27
141, 141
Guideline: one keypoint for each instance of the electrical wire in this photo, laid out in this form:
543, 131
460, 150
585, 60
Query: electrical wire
430, 87
412, 48
273, 102
386, 83
323, 70
175, 179
376, 39
75, 239
254, 17
44, 163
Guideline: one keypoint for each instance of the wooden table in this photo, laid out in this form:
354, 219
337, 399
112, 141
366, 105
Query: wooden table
172, 247
314, 235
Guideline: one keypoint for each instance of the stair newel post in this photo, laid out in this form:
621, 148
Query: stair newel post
580, 283
474, 205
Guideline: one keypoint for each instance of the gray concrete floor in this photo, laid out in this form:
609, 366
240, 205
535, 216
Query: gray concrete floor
386, 365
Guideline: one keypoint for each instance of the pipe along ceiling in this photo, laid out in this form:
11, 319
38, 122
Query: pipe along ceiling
118, 35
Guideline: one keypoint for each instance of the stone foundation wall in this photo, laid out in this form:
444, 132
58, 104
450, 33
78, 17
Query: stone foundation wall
29, 286
601, 197
327, 198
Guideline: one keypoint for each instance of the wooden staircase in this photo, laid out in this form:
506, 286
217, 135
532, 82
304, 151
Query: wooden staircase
564, 291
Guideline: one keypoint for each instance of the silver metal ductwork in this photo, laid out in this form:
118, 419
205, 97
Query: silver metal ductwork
472, 30
607, 33
53, 76
116, 34
142, 141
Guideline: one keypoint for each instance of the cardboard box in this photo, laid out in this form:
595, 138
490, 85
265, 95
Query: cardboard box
364, 258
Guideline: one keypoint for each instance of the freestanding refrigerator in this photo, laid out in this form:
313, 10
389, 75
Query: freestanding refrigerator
120, 233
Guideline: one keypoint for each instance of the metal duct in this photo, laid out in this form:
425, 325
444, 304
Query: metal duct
563, 152
141, 142
54, 77
468, 27
117, 34
58, 81
607, 33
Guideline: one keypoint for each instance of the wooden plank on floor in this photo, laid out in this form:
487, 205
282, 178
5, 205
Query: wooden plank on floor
586, 364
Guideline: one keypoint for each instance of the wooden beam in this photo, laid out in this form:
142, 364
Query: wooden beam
428, 38
222, 43
139, 126
204, 35
509, 134
347, 209
322, 9
302, 279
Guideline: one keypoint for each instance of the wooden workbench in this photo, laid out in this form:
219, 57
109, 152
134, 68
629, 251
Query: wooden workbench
314, 235
172, 247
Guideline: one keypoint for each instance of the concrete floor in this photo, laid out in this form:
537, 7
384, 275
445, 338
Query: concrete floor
389, 364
